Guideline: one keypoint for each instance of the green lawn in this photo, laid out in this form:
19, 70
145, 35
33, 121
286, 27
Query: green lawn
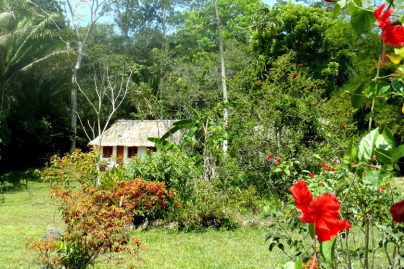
28, 215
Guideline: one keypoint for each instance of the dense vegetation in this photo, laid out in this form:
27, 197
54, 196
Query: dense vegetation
264, 97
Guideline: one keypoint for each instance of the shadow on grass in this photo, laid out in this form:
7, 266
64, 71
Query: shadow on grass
16, 181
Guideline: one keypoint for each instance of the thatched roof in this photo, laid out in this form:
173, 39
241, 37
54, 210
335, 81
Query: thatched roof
134, 133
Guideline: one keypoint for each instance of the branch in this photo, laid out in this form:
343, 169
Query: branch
87, 98
82, 125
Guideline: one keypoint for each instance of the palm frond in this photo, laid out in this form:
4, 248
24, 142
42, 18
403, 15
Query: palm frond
47, 57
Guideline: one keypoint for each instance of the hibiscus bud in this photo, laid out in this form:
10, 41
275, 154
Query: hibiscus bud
308, 88
278, 161
321, 184
315, 88
294, 75
312, 174
269, 157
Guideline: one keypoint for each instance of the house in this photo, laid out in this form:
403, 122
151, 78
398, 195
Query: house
128, 138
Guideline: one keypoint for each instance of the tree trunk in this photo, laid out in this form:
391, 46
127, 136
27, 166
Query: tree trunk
223, 75
73, 98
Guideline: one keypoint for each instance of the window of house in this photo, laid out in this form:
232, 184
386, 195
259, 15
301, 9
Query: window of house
107, 152
132, 151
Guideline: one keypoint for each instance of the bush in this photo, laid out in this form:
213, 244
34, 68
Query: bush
95, 225
97, 221
175, 168
145, 199
206, 209
71, 169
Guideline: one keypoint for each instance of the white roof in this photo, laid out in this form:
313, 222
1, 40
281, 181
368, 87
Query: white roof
134, 133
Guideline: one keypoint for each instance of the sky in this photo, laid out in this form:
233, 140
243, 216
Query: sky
82, 8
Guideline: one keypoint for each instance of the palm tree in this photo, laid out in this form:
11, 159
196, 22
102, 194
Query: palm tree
27, 40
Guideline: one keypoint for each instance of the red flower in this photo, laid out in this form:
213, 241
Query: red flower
382, 188
269, 157
397, 211
278, 161
312, 175
391, 34
322, 211
315, 88
326, 167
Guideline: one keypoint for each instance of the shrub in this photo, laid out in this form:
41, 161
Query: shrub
206, 209
72, 168
97, 220
95, 225
145, 199
175, 168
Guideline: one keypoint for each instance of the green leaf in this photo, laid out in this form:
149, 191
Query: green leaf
162, 143
179, 125
362, 20
351, 151
317, 156
382, 143
337, 9
384, 156
327, 250
397, 154
366, 145
311, 230
389, 137
298, 264
399, 51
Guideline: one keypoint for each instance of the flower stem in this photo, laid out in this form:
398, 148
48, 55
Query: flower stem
314, 260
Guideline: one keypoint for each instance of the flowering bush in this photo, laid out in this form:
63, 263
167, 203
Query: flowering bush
97, 221
145, 199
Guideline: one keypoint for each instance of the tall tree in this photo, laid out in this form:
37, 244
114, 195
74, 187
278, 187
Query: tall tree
222, 73
96, 9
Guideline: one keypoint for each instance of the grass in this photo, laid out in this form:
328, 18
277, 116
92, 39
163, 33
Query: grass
28, 214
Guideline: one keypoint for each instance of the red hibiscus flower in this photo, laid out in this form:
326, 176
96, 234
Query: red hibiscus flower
322, 211
278, 161
269, 157
392, 35
326, 167
397, 211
